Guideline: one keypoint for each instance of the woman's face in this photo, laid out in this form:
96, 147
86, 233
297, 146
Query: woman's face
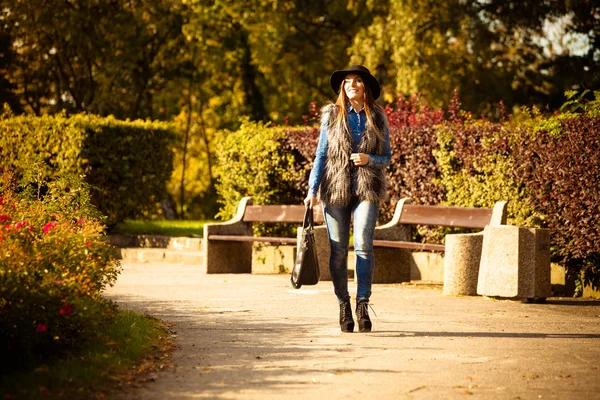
354, 87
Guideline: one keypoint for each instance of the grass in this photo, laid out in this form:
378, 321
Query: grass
131, 344
163, 227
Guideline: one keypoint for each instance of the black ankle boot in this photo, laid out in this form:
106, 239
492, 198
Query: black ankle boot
362, 315
346, 321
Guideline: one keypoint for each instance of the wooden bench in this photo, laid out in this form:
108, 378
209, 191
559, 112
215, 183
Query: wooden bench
458, 217
228, 245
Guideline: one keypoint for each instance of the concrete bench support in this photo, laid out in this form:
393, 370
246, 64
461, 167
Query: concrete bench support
515, 262
223, 257
461, 263
463, 256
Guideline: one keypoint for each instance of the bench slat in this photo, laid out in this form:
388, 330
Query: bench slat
408, 245
252, 239
446, 216
277, 213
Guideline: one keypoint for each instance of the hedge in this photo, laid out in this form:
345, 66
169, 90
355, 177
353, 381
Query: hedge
451, 158
256, 161
126, 163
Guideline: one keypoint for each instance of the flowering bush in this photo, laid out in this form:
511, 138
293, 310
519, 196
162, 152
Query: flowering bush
54, 263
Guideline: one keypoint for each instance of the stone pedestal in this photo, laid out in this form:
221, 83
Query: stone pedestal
273, 259
223, 257
461, 263
515, 262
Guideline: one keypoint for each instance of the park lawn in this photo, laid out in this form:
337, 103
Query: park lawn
161, 227
111, 360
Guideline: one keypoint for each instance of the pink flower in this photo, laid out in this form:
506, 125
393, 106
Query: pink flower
21, 224
59, 282
4, 217
40, 328
49, 226
80, 221
7, 227
87, 243
65, 310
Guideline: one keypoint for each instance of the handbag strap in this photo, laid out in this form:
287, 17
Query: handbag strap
308, 219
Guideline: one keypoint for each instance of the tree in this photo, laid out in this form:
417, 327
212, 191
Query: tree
99, 56
489, 50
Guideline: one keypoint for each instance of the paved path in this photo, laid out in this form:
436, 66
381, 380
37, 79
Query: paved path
254, 337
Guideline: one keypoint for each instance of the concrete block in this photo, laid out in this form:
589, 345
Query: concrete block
269, 259
392, 265
185, 244
461, 263
194, 258
224, 257
515, 262
427, 266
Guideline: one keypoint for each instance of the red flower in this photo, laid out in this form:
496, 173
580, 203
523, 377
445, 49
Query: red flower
87, 243
40, 328
1, 200
65, 310
4, 217
49, 226
80, 221
21, 224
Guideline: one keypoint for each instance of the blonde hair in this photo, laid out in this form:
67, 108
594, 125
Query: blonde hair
341, 121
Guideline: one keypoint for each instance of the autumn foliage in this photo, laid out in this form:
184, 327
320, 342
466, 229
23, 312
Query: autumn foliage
547, 167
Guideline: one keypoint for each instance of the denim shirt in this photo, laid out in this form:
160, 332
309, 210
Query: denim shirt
357, 123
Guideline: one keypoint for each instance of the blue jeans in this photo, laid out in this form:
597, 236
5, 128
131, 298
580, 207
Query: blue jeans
337, 220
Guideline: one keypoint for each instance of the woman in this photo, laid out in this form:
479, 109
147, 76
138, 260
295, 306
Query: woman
348, 175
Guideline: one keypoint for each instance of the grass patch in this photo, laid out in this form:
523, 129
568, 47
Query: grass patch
130, 344
163, 227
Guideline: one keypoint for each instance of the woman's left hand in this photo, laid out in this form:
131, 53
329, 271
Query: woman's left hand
359, 159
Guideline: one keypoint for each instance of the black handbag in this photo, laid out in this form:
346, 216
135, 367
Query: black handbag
306, 268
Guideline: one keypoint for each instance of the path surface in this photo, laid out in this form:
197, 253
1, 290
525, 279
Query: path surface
254, 337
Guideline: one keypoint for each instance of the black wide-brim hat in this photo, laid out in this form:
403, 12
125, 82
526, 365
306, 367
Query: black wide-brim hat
338, 76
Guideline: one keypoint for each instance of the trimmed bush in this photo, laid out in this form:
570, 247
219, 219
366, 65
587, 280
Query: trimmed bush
256, 161
54, 264
548, 168
559, 163
127, 164
478, 170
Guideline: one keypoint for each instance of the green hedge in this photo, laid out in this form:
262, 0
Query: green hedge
545, 166
256, 161
126, 163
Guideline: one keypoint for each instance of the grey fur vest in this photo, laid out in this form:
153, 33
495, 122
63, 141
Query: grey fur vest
336, 184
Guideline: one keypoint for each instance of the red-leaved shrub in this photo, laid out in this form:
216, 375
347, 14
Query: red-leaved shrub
562, 173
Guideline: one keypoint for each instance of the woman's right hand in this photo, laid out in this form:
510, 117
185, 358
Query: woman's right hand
309, 200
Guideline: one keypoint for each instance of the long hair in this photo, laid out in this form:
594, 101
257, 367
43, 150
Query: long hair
341, 121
